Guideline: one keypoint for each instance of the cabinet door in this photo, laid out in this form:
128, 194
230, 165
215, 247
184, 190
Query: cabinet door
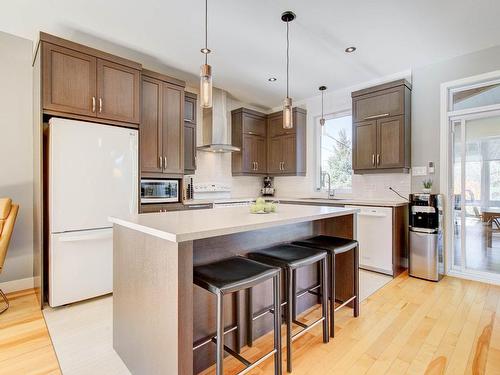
118, 92
260, 155
289, 152
190, 109
248, 153
254, 125
379, 104
390, 143
275, 156
189, 148
364, 145
69, 81
173, 129
151, 129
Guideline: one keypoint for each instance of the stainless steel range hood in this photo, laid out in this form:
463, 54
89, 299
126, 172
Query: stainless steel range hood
215, 125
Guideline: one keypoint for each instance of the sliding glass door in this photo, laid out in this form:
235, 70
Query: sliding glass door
476, 192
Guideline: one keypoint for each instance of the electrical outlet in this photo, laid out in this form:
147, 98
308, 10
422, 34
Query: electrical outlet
419, 171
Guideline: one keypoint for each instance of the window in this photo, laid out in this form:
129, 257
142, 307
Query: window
335, 152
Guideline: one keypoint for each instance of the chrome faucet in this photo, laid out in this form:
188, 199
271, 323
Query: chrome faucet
331, 192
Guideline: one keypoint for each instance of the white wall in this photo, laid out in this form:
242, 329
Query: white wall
426, 103
16, 145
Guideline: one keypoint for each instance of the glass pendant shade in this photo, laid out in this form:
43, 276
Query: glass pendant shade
287, 114
206, 86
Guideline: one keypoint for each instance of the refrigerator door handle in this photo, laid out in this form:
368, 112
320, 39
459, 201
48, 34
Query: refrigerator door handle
100, 234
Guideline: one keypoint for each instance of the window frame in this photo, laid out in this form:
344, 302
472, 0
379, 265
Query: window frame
317, 144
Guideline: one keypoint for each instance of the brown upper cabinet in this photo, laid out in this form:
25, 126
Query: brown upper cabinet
382, 128
248, 129
84, 83
190, 133
267, 148
162, 126
287, 147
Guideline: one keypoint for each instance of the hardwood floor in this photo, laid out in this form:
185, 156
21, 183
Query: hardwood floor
25, 346
410, 326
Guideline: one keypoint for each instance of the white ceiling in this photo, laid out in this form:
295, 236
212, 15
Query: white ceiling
248, 38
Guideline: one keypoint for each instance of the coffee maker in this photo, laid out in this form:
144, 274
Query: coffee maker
268, 189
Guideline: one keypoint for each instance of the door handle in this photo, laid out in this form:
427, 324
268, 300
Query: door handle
283, 165
376, 116
378, 159
256, 165
165, 162
100, 105
93, 104
161, 162
373, 159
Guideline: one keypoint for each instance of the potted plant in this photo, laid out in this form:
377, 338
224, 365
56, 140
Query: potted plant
427, 186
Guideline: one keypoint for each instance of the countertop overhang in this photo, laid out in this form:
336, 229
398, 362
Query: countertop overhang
180, 226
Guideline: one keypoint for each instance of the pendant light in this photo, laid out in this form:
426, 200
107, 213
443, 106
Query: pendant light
206, 70
287, 17
322, 119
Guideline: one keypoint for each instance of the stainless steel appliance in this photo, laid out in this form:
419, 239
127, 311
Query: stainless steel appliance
426, 237
159, 191
268, 190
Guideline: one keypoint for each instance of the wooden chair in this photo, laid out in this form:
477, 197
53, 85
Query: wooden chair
8, 214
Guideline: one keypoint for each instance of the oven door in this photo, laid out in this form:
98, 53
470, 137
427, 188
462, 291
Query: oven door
159, 191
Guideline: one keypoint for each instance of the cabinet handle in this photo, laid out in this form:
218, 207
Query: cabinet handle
256, 165
165, 162
376, 116
100, 105
373, 159
93, 104
161, 162
378, 159
251, 133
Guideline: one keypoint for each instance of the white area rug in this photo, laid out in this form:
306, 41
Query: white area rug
83, 338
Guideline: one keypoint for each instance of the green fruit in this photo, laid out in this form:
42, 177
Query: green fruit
273, 207
260, 207
253, 208
268, 207
260, 201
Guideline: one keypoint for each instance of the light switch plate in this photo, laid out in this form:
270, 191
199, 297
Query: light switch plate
419, 171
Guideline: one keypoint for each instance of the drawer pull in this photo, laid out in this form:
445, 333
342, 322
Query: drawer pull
376, 116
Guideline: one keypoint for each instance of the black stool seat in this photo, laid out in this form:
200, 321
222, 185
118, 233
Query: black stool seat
232, 274
331, 244
290, 256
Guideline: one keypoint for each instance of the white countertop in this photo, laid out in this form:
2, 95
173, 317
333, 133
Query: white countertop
179, 226
336, 201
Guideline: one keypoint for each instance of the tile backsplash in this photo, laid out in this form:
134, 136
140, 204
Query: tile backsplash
376, 186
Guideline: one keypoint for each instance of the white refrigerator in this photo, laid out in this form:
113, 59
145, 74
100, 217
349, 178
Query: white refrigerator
93, 174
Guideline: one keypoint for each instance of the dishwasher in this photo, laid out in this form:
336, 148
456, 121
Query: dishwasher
374, 232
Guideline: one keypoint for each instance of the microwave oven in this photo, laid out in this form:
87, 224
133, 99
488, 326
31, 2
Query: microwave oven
159, 191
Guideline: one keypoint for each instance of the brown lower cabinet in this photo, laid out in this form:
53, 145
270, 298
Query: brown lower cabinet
382, 128
162, 127
267, 148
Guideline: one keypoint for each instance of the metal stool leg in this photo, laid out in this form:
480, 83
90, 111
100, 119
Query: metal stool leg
332, 295
290, 301
277, 324
220, 335
249, 317
237, 344
324, 299
356, 281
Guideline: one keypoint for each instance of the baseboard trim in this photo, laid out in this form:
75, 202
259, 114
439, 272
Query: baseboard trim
17, 285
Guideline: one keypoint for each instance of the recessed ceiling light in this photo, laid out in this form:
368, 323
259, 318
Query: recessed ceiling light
272, 79
350, 49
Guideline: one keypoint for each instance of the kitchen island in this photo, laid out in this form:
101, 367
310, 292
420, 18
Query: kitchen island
157, 311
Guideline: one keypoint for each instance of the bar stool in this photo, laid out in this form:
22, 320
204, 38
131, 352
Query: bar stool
335, 246
232, 275
290, 258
